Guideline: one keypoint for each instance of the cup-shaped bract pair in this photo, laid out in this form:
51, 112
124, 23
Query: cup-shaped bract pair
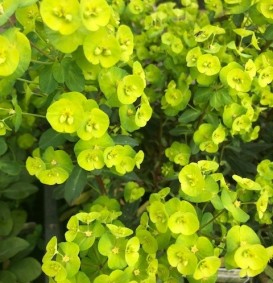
122, 158
95, 14
265, 169
53, 167
27, 16
179, 153
206, 268
207, 137
102, 47
66, 17
133, 192
231, 112
62, 16
265, 76
252, 259
192, 56
143, 114
182, 258
65, 116
244, 250
208, 64
91, 159
232, 204
7, 8
95, 124
173, 95
67, 262
72, 112
9, 57
126, 41
262, 204
265, 7
182, 217
239, 80
159, 216
130, 88
127, 116
191, 179
90, 152
108, 80
176, 98
173, 43
84, 235
114, 248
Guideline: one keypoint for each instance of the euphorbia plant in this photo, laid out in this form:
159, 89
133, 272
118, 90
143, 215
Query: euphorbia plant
153, 120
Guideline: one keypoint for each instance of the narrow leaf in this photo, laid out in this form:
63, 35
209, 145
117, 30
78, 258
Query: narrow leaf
11, 246
19, 190
75, 184
3, 146
47, 82
189, 115
26, 270
73, 76
51, 138
125, 140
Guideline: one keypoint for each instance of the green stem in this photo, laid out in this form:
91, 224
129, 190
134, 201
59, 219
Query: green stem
26, 81
41, 62
5, 109
8, 117
41, 51
215, 217
34, 115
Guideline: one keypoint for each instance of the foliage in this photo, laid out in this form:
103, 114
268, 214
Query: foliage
153, 121
18, 236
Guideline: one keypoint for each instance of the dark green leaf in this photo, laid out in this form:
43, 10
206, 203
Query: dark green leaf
75, 184
207, 223
180, 130
5, 219
73, 76
220, 98
268, 34
19, 190
47, 82
17, 119
58, 72
125, 140
10, 167
7, 277
269, 271
11, 246
51, 138
238, 19
189, 115
26, 270
201, 96
3, 146
19, 218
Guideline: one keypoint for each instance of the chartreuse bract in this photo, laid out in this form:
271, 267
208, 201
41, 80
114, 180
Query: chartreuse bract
153, 121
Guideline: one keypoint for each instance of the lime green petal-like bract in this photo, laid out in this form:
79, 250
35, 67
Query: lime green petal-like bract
62, 15
94, 14
102, 47
9, 57
95, 124
65, 115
